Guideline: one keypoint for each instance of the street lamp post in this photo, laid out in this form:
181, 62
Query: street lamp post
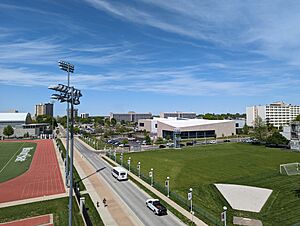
129, 160
151, 175
139, 168
71, 95
168, 186
190, 197
65, 66
115, 154
121, 158
223, 215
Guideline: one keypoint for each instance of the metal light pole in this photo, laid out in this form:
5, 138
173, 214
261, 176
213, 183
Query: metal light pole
151, 175
190, 197
139, 168
115, 154
121, 158
223, 216
168, 186
71, 95
129, 160
65, 66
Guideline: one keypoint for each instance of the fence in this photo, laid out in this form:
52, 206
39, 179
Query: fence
183, 202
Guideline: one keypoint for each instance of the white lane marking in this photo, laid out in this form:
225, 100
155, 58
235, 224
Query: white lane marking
11, 158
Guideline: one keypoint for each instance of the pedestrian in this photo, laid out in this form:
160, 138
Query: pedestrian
104, 202
98, 204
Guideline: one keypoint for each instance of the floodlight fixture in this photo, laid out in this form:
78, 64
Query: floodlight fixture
66, 66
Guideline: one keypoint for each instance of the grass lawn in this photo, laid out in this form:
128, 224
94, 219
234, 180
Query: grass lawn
245, 164
58, 207
8, 153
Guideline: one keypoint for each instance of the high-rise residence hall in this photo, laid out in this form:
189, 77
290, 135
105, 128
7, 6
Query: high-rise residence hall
277, 113
44, 109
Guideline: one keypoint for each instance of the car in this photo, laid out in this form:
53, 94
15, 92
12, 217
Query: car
190, 143
156, 206
162, 146
212, 142
227, 140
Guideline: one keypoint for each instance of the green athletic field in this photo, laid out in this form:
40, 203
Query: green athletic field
245, 164
8, 153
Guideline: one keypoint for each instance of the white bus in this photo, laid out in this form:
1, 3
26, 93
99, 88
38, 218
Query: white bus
119, 172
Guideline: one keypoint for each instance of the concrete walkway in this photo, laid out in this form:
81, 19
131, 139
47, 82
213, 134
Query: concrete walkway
184, 212
116, 213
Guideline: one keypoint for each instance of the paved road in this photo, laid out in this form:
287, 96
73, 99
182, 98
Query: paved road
129, 193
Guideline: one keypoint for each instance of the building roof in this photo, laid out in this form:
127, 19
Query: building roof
180, 123
13, 117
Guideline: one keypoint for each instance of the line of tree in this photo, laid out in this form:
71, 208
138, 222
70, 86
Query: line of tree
213, 116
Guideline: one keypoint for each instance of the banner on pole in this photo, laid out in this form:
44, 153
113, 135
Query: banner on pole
190, 196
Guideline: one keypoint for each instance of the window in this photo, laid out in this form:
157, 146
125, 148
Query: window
142, 124
156, 125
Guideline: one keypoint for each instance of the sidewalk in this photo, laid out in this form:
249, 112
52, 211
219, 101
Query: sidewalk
184, 212
116, 212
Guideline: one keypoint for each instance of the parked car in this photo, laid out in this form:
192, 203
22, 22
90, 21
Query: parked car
227, 140
162, 146
156, 206
212, 141
190, 143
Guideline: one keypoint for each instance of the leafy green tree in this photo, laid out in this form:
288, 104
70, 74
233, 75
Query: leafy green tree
148, 140
125, 141
260, 129
8, 131
113, 122
277, 138
297, 118
159, 140
245, 129
107, 122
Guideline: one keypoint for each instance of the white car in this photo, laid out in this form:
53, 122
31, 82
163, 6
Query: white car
156, 206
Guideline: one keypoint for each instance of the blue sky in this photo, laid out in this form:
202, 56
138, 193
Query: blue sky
151, 55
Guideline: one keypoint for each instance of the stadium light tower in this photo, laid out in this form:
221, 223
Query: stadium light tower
69, 95
66, 66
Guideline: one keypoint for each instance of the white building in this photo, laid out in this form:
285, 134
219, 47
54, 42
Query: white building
278, 113
189, 128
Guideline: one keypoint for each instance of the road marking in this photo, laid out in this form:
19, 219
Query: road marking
11, 158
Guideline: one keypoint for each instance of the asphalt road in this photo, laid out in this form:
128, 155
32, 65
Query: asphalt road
129, 192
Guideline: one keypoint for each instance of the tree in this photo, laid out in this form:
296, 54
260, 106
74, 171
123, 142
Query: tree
277, 138
159, 140
246, 129
148, 139
8, 131
297, 118
113, 121
107, 122
260, 129
125, 141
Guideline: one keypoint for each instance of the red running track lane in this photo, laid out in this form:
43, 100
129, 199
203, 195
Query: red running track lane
43, 177
32, 221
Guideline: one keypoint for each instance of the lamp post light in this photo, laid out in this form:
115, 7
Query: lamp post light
190, 198
223, 215
121, 158
139, 168
65, 66
129, 160
70, 95
151, 175
168, 186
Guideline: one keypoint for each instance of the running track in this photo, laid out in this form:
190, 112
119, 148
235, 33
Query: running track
43, 177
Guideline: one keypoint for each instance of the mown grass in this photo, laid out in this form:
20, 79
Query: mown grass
58, 207
245, 164
76, 176
9, 151
93, 213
